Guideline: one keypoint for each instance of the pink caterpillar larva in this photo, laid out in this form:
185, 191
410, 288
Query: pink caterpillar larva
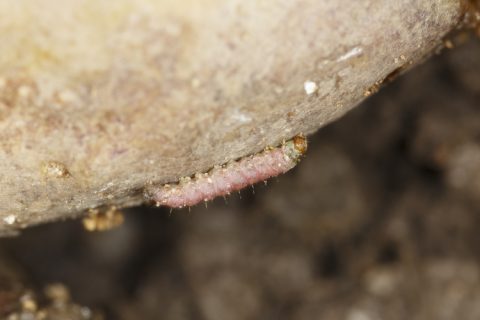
234, 176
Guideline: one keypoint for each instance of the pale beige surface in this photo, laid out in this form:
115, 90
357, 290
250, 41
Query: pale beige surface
99, 98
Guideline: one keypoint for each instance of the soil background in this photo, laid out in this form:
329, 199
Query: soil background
379, 221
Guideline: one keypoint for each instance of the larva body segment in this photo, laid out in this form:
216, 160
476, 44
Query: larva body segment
233, 176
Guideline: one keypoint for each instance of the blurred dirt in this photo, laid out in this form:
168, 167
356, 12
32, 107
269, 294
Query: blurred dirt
379, 221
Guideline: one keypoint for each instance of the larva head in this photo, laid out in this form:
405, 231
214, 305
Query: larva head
296, 147
300, 143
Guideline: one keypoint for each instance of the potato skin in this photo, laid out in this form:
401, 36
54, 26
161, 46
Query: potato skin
130, 92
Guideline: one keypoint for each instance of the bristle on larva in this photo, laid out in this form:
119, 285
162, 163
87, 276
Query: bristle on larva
221, 181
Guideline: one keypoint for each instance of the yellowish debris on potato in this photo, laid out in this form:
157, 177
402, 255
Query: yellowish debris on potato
103, 220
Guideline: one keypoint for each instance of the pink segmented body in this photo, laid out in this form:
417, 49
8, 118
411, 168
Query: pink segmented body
234, 176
